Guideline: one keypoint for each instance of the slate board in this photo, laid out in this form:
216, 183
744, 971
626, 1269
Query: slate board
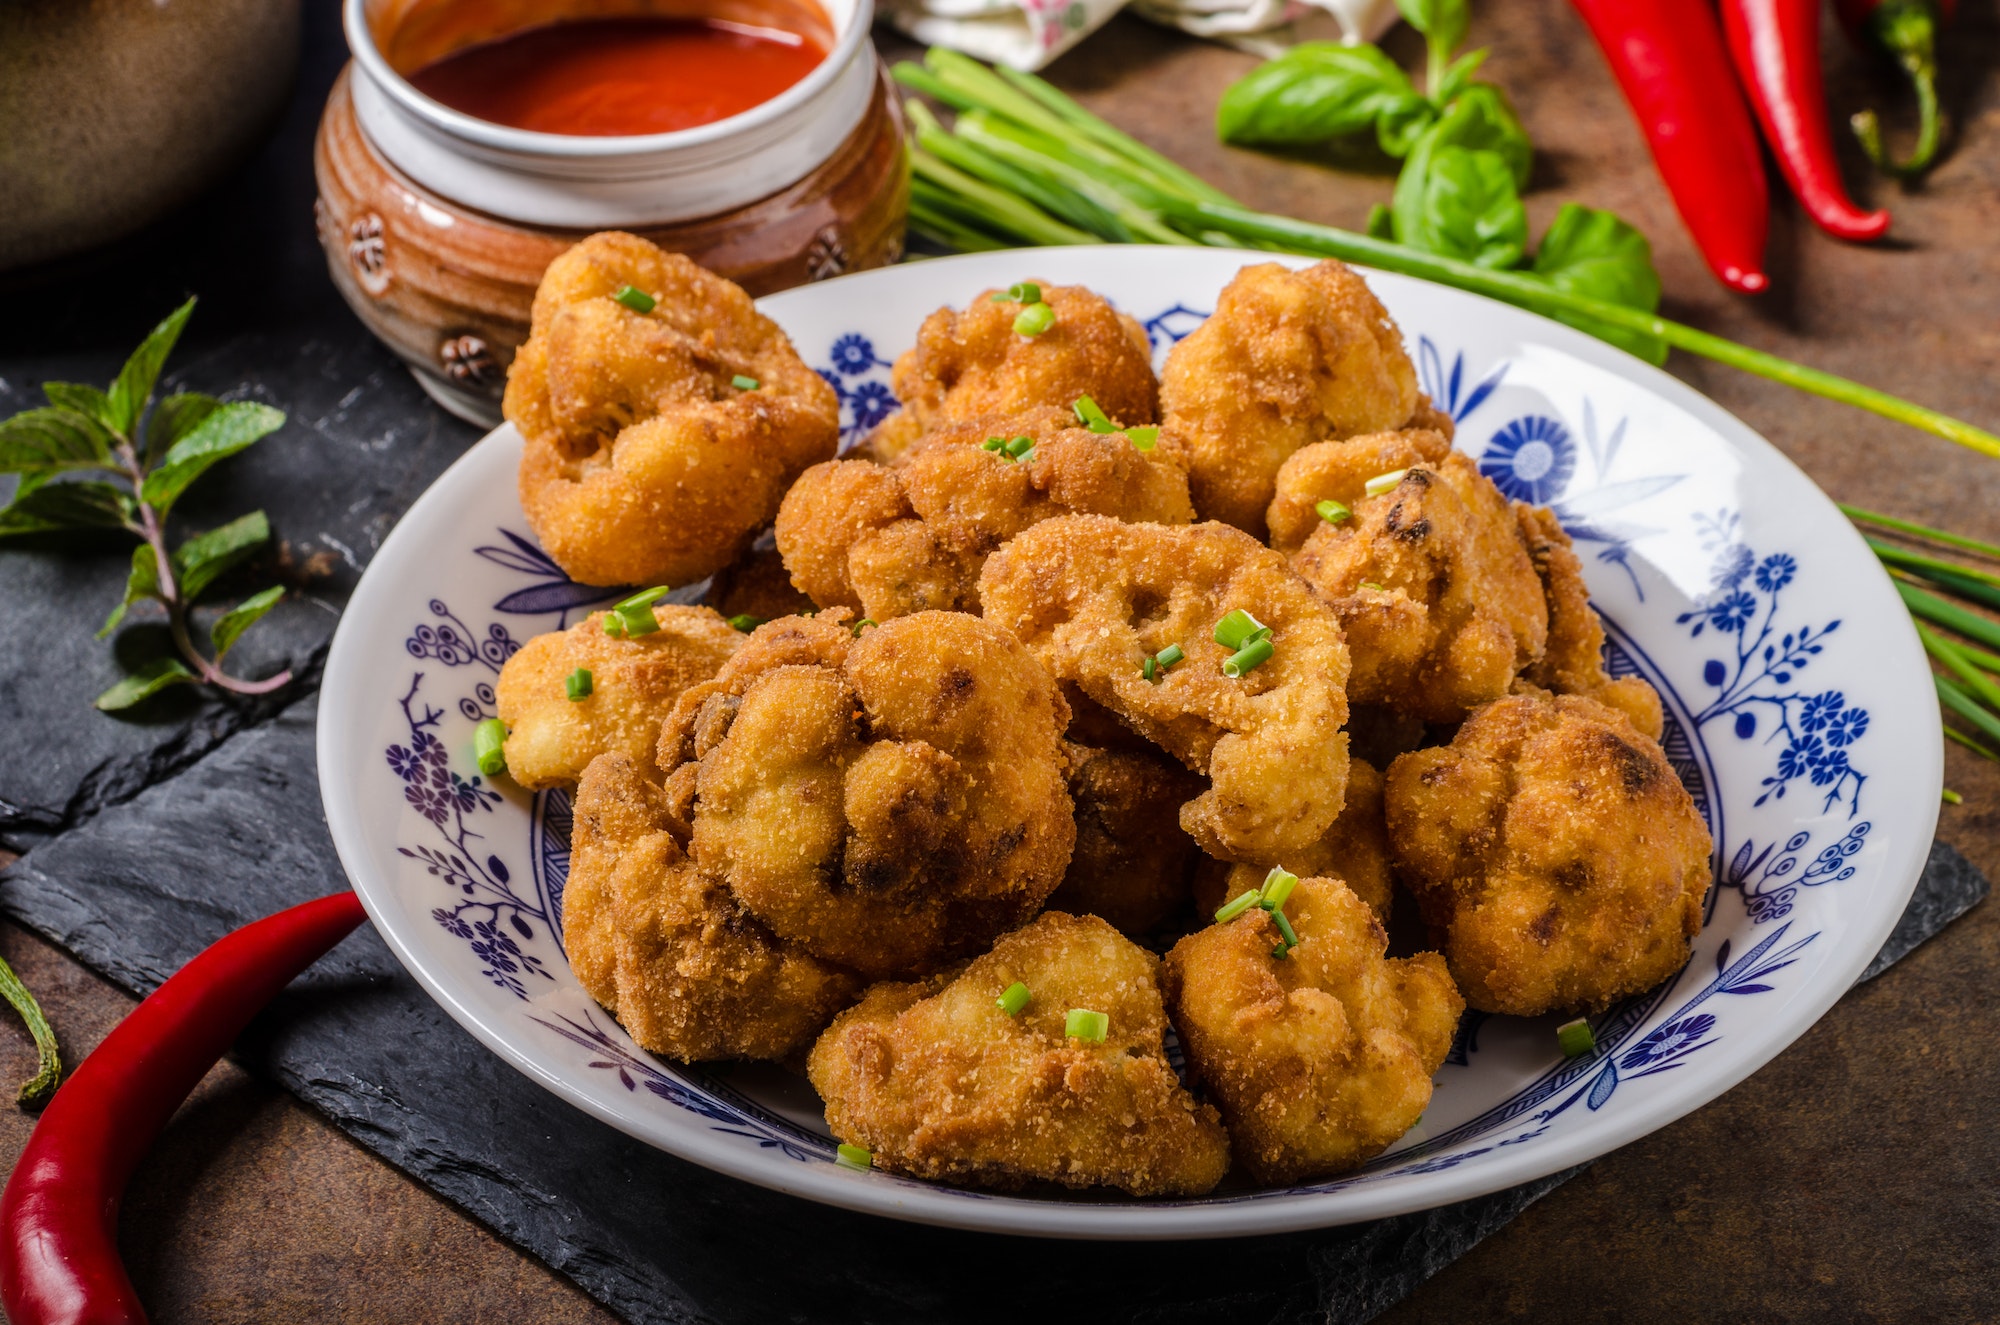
145, 885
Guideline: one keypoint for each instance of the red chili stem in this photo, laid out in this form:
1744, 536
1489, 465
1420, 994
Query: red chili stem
1670, 59
1775, 44
59, 1260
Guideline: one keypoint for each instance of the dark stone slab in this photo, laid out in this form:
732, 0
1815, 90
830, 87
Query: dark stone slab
145, 885
1952, 885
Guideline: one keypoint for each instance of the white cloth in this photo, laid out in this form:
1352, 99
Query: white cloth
1027, 34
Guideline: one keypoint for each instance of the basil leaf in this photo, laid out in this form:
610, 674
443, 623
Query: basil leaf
1595, 254
177, 416
52, 439
85, 400
1482, 119
142, 582
50, 507
230, 626
1457, 75
201, 560
1461, 203
1443, 22
225, 431
149, 680
1398, 130
134, 386
1318, 91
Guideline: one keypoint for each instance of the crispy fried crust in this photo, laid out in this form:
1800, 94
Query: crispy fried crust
1554, 852
1355, 851
684, 968
970, 363
1288, 358
1573, 663
1093, 598
1317, 1060
756, 584
634, 683
889, 803
643, 464
1132, 860
940, 1083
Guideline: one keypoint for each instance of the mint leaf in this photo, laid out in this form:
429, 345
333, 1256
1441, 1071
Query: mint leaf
50, 507
134, 386
1318, 91
1481, 118
1462, 204
52, 439
177, 416
141, 583
230, 626
1594, 253
225, 431
202, 559
78, 398
149, 680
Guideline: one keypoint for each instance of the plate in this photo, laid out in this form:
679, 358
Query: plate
1800, 717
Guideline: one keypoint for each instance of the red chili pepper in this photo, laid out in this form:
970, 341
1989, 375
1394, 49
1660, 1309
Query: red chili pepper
59, 1258
1670, 59
1776, 47
1906, 32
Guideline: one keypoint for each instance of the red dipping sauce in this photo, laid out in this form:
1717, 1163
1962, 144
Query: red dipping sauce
614, 77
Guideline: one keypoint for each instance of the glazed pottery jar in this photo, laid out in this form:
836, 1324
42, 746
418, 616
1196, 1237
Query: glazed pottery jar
437, 226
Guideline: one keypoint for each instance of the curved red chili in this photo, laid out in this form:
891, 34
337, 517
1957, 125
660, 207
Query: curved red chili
59, 1259
1775, 44
1906, 32
1670, 59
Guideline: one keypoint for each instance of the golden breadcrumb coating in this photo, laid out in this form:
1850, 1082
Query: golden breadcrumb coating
1288, 358
1430, 579
1094, 598
686, 971
1132, 860
756, 584
644, 463
1573, 662
1355, 851
1554, 853
889, 803
633, 685
1320, 1059
939, 1082
913, 537
971, 362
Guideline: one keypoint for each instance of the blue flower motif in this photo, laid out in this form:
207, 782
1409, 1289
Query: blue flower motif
1801, 756
429, 801
1819, 711
407, 763
1829, 766
1775, 572
465, 793
1847, 726
1674, 1038
1732, 566
872, 402
430, 747
853, 354
1732, 611
452, 923
494, 947
1530, 459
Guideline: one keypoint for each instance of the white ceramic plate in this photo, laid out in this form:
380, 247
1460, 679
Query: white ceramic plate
1800, 717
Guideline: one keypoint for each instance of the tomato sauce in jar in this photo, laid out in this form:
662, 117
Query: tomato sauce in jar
615, 77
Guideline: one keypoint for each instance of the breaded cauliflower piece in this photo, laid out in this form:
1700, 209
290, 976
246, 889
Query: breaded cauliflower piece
1573, 662
891, 540
634, 684
1287, 359
1355, 851
941, 1083
1430, 579
889, 803
1554, 853
645, 462
685, 970
1094, 598
1319, 1059
971, 362
1132, 860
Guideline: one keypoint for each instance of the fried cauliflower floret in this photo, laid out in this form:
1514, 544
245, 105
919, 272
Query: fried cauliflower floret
941, 1083
684, 969
888, 803
1288, 358
1319, 1059
1355, 851
1431, 580
633, 686
1573, 662
1093, 598
1553, 852
971, 362
644, 462
1132, 860
913, 537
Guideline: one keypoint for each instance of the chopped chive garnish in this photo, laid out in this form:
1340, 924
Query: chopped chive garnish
1278, 885
489, 742
1237, 906
1014, 999
635, 615
864, 621
1170, 655
1025, 292
644, 598
1034, 320
1381, 483
1285, 928
1092, 417
1018, 447
854, 1157
1371, 584
1237, 629
1332, 512
636, 300
742, 383
746, 623
1247, 659
614, 625
994, 444
1144, 439
1576, 1038
1951, 797
1150, 669
578, 684
1083, 1024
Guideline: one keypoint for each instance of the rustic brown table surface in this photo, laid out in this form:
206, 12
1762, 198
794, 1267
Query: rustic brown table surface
1853, 1179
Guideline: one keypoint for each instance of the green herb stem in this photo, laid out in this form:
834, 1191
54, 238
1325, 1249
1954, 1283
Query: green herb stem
34, 1092
1915, 530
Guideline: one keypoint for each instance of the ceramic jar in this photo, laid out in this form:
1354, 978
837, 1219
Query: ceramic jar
437, 226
